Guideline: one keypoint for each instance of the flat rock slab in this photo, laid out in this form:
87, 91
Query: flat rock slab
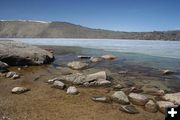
104, 99
17, 53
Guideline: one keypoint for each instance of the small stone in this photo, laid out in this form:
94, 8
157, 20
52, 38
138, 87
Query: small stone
120, 97
72, 90
101, 99
95, 59
128, 109
103, 82
15, 76
138, 99
58, 84
167, 72
77, 65
19, 68
10, 74
164, 104
51, 81
83, 57
118, 87
123, 72
108, 57
19, 90
151, 106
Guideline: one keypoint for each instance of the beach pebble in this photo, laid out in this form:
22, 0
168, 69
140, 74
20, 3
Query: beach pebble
128, 109
120, 97
173, 97
108, 57
151, 106
19, 90
72, 90
77, 65
138, 99
162, 105
104, 99
51, 81
15, 76
58, 84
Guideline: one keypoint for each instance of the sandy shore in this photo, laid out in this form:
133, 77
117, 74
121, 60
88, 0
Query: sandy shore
46, 103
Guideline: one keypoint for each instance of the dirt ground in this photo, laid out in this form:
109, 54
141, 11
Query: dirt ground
46, 103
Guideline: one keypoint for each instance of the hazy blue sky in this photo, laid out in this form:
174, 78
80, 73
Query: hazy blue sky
121, 15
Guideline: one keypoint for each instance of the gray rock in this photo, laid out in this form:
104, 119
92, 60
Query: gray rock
12, 75
173, 97
118, 87
138, 99
104, 99
58, 84
128, 109
120, 97
19, 90
96, 76
17, 53
96, 59
162, 105
51, 81
151, 106
72, 90
77, 65
3, 67
152, 90
103, 82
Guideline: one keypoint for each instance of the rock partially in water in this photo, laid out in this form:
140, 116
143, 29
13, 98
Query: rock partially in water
77, 65
128, 109
108, 57
138, 99
96, 76
59, 85
120, 97
151, 106
96, 59
83, 57
173, 97
167, 72
104, 99
162, 105
19, 90
72, 90
3, 67
152, 90
17, 53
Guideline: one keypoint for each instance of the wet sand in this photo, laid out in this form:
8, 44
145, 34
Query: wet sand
46, 103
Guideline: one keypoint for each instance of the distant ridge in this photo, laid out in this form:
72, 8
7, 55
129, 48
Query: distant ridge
42, 29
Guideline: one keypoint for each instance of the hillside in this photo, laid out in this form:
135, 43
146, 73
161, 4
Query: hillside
38, 29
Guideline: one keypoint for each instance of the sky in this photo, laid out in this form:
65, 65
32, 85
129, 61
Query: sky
118, 15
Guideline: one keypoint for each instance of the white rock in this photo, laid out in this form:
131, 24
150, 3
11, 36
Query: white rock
19, 90
96, 76
72, 90
138, 99
58, 84
120, 97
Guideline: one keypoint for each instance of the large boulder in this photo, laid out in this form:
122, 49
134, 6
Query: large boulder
17, 53
120, 97
173, 97
77, 65
138, 99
